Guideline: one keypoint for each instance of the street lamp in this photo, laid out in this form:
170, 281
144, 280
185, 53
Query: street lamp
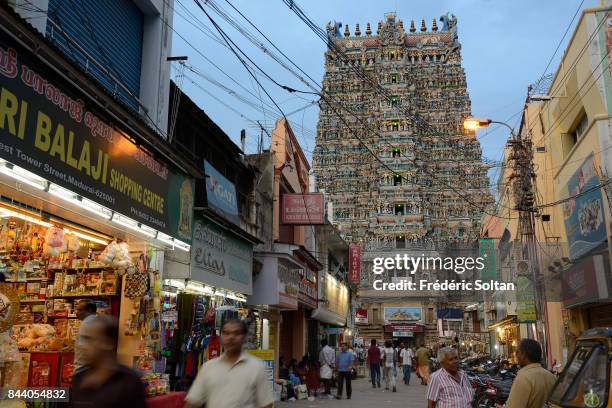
478, 123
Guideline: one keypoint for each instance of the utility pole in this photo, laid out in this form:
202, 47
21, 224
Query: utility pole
522, 180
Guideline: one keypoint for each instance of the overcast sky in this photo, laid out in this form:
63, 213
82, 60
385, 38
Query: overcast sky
506, 45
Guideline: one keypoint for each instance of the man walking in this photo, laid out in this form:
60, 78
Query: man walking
327, 358
389, 359
102, 381
345, 366
373, 360
449, 387
533, 382
423, 364
235, 379
406, 356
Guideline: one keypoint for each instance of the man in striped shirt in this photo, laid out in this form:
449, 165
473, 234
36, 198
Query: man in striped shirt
449, 387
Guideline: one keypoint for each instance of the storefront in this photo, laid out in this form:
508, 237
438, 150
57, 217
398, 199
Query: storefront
332, 311
586, 288
504, 337
85, 214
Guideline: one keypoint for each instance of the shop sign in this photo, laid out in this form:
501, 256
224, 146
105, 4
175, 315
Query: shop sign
303, 209
354, 274
584, 215
221, 259
288, 286
48, 130
403, 314
415, 328
221, 194
308, 287
267, 356
585, 282
361, 316
403, 334
333, 330
525, 300
487, 252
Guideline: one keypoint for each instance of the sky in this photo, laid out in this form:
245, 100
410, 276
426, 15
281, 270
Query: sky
506, 45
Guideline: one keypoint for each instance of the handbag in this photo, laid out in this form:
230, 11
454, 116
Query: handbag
325, 372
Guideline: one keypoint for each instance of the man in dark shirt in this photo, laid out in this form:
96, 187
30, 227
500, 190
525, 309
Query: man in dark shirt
373, 361
104, 382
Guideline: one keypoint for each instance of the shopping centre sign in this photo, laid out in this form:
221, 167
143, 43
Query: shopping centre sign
48, 130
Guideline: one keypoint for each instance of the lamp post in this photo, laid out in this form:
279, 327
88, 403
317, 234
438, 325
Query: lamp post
522, 185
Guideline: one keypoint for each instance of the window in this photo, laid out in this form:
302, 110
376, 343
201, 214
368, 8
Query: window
570, 139
392, 55
394, 100
397, 180
399, 209
395, 125
394, 78
400, 242
397, 152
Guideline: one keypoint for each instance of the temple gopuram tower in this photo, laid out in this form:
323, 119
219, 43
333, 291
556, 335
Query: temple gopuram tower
403, 94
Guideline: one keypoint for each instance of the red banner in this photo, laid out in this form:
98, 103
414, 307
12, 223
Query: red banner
303, 209
354, 264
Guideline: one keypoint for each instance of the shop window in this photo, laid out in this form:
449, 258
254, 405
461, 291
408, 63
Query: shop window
394, 78
397, 180
399, 209
397, 152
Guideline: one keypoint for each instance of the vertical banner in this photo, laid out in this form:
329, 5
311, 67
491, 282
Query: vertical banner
525, 300
487, 251
354, 264
267, 356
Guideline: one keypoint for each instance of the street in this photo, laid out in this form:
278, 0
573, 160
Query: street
364, 395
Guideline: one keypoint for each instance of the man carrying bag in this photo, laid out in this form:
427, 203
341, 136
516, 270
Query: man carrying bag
327, 358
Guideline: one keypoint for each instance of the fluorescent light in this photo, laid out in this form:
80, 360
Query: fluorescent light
83, 203
133, 225
86, 237
24, 217
23, 175
166, 239
183, 246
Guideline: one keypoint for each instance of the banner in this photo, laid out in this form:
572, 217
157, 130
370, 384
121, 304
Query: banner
525, 300
584, 213
48, 130
221, 194
487, 251
221, 259
303, 209
267, 356
403, 314
354, 267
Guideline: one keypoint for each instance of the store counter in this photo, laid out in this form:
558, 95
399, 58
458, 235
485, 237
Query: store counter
170, 400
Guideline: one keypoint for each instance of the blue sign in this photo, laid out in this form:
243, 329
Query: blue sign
584, 215
221, 194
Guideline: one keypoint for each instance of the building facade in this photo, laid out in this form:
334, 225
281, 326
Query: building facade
391, 154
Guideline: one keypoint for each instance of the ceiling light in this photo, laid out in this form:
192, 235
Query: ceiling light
24, 217
86, 237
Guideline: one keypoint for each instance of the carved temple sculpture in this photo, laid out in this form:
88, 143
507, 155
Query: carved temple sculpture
428, 185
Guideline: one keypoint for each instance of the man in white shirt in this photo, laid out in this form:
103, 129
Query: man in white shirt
406, 356
235, 379
389, 359
327, 358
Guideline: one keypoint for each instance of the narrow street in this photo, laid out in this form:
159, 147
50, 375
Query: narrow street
364, 395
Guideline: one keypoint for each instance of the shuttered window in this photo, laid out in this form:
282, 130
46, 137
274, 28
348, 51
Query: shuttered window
109, 32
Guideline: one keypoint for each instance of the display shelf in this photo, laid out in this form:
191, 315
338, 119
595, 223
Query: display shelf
28, 280
32, 300
81, 296
96, 269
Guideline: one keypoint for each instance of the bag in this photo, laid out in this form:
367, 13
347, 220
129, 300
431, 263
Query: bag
301, 391
136, 285
325, 372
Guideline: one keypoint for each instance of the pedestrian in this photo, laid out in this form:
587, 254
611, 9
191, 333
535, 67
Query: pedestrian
406, 356
85, 310
327, 358
373, 360
234, 379
423, 364
533, 382
345, 366
449, 387
313, 376
389, 359
103, 382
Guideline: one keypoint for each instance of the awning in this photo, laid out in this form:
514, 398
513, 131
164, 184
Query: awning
504, 322
324, 315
